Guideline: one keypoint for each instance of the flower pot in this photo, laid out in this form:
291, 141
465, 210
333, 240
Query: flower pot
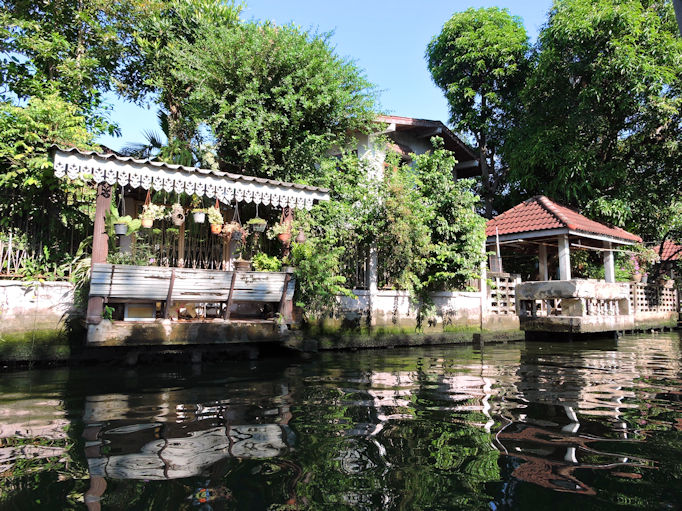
260, 227
147, 222
199, 217
242, 265
236, 236
637, 277
120, 229
216, 228
284, 237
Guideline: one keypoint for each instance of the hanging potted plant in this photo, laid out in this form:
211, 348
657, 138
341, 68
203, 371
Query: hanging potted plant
257, 224
177, 214
198, 213
151, 212
233, 231
280, 230
215, 218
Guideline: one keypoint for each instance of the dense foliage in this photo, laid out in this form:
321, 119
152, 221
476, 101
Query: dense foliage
421, 222
602, 112
276, 98
480, 62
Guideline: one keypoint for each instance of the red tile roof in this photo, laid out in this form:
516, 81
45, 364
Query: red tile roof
539, 213
671, 251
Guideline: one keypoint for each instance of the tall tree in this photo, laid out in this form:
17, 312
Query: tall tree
162, 29
602, 112
276, 98
479, 60
76, 49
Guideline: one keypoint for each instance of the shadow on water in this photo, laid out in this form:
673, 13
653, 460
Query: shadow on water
521, 426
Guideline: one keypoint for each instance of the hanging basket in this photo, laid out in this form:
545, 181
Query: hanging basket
178, 219
236, 235
120, 229
258, 227
216, 228
199, 217
147, 223
284, 237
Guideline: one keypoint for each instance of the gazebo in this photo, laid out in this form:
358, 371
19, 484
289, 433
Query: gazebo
541, 224
148, 291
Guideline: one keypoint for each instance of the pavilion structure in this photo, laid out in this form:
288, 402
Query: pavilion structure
237, 304
565, 305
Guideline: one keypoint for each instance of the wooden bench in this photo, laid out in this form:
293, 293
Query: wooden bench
130, 284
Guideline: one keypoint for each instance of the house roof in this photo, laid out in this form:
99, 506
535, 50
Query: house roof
671, 251
540, 214
452, 141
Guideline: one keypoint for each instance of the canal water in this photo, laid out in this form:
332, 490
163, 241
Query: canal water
594, 425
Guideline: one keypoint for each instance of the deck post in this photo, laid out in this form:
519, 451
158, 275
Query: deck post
609, 266
229, 296
564, 258
100, 248
286, 308
181, 245
542, 258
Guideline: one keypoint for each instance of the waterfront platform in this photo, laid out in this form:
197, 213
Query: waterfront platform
591, 306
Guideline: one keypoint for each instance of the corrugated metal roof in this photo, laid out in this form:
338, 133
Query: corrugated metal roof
171, 166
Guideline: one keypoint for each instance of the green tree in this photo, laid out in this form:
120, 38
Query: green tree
479, 60
28, 187
458, 232
276, 98
76, 49
161, 30
602, 126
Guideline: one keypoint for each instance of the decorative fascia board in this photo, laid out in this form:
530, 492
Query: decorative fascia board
90, 168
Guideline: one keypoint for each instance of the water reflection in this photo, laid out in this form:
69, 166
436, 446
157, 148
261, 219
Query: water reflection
525, 425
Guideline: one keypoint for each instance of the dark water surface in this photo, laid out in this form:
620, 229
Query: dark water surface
594, 425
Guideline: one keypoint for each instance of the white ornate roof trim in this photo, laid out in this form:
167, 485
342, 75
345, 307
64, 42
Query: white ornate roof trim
89, 166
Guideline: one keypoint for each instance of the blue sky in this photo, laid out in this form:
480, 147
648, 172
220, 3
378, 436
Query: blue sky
385, 38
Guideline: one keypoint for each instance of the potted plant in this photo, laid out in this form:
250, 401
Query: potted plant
198, 212
151, 212
257, 224
199, 215
215, 218
234, 231
281, 230
177, 214
120, 225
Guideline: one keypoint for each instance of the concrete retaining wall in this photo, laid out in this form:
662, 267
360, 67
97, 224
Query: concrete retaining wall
392, 308
33, 306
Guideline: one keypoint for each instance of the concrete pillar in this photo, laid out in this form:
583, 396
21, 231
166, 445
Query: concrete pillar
372, 280
564, 258
609, 266
542, 257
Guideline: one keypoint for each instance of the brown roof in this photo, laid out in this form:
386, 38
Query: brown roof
671, 251
452, 141
540, 213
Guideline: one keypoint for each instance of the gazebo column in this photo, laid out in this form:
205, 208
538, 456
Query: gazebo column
609, 266
564, 258
100, 248
542, 258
